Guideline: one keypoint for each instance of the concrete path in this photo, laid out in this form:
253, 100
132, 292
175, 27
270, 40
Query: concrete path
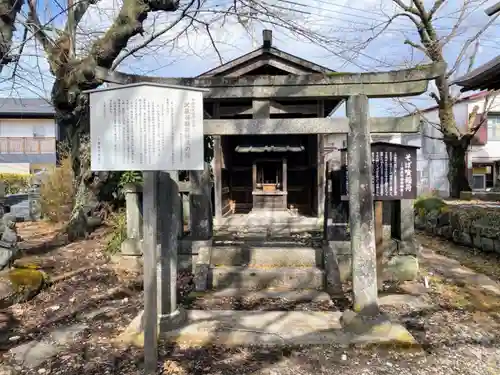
452, 269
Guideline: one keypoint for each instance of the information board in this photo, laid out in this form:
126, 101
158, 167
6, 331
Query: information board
394, 169
144, 127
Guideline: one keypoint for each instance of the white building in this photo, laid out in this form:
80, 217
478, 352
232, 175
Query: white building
483, 158
28, 134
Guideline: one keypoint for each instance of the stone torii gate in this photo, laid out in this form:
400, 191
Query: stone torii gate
356, 89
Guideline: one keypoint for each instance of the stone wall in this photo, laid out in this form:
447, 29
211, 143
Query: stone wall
486, 196
474, 226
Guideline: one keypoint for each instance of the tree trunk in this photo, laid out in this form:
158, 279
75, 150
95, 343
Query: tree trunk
457, 168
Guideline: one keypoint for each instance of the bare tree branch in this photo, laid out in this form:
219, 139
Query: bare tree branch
154, 36
37, 28
468, 43
9, 10
438, 4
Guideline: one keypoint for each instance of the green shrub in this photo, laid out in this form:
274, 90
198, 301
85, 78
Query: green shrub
429, 204
118, 222
57, 191
15, 182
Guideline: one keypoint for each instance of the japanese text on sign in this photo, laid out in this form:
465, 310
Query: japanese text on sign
146, 128
393, 172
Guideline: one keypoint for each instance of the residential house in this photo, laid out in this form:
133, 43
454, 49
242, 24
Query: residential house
483, 157
28, 134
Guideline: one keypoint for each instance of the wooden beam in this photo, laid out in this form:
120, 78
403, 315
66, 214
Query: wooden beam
306, 126
378, 85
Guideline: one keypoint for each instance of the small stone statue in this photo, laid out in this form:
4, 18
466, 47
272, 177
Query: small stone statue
9, 234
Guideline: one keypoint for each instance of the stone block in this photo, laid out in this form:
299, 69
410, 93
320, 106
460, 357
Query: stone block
444, 219
401, 268
260, 278
127, 262
6, 256
172, 321
201, 275
408, 247
476, 241
487, 244
131, 246
332, 271
462, 238
496, 244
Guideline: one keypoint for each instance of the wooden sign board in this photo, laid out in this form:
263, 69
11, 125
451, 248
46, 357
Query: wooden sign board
146, 127
394, 171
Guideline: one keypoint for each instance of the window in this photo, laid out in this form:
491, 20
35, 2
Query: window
485, 170
494, 127
479, 182
38, 131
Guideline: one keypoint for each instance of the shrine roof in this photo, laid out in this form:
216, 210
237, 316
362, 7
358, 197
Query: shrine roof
485, 77
270, 148
269, 57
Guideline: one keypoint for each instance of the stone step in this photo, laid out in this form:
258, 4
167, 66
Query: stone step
255, 278
266, 299
271, 255
260, 241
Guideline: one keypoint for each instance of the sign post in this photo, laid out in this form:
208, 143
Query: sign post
150, 128
393, 177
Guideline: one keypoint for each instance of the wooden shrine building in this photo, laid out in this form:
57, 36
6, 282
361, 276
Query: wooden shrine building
268, 114
270, 172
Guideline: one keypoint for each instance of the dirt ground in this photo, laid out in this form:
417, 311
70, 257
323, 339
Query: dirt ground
459, 329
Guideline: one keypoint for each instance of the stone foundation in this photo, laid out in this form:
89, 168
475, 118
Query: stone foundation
479, 233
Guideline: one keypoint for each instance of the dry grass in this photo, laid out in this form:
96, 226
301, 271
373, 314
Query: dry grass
57, 191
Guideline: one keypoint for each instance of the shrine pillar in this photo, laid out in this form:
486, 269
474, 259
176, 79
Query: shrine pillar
361, 217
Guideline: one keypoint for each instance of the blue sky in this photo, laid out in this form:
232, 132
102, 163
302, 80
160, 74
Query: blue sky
343, 25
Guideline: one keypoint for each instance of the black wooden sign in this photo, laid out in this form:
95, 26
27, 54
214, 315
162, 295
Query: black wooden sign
394, 171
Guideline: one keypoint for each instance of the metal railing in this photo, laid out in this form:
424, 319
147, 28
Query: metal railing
27, 145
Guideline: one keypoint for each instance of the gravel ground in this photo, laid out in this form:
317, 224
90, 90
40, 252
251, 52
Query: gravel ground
458, 335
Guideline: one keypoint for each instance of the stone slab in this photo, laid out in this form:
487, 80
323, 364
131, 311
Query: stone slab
6, 256
305, 126
289, 295
272, 328
34, 353
261, 278
250, 255
131, 246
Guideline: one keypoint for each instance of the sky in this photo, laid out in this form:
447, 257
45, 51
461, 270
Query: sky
333, 33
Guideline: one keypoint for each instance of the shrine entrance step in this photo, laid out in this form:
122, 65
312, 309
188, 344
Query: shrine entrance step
262, 221
254, 278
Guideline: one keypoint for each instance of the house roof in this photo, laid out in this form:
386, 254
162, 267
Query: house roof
492, 10
478, 95
26, 107
267, 55
486, 77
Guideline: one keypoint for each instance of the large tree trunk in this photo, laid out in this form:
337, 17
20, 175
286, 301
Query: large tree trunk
457, 167
72, 76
